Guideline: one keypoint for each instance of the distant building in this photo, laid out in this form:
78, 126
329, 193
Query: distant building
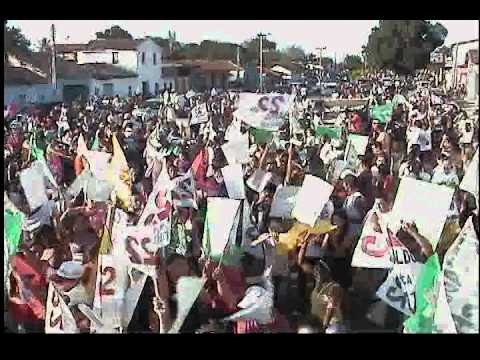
462, 69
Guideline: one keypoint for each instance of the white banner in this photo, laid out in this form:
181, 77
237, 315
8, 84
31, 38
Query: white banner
233, 178
188, 289
263, 111
442, 321
424, 203
359, 142
221, 214
98, 162
284, 202
199, 114
460, 268
58, 318
311, 199
470, 179
34, 186
236, 150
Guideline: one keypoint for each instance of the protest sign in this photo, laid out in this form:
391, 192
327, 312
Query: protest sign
236, 150
398, 290
261, 136
263, 111
221, 215
460, 268
382, 113
424, 203
359, 142
135, 285
34, 186
188, 289
58, 317
183, 190
98, 163
233, 178
308, 207
259, 180
470, 179
284, 201
199, 114
350, 160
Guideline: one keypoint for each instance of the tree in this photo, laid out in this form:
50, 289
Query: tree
352, 62
43, 45
295, 52
115, 32
14, 41
403, 45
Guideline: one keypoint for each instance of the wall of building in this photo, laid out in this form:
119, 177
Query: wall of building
122, 87
147, 71
27, 94
97, 57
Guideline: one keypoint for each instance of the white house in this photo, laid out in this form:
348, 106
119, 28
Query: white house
143, 59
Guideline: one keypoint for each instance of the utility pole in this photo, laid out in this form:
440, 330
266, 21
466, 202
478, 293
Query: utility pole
320, 50
261, 36
238, 62
54, 59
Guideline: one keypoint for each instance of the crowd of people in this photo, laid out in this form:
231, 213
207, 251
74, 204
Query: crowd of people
307, 287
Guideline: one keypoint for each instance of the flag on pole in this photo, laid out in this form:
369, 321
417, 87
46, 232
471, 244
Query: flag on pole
13, 221
382, 113
118, 175
37, 153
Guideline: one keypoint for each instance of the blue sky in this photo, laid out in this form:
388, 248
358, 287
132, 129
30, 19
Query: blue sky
340, 37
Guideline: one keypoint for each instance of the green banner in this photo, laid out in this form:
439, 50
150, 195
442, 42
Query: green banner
13, 222
382, 113
261, 136
330, 132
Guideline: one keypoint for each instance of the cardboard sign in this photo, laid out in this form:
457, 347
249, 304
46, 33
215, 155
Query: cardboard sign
470, 179
263, 111
221, 214
311, 199
236, 150
284, 202
259, 180
58, 317
34, 186
424, 203
398, 291
460, 269
199, 114
233, 178
359, 142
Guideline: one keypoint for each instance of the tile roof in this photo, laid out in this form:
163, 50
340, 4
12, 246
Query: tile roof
63, 48
114, 44
107, 71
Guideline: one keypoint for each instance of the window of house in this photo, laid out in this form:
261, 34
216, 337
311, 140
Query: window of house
97, 91
115, 58
154, 58
129, 91
157, 89
143, 58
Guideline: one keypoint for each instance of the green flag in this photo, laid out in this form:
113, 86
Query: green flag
382, 113
330, 132
37, 152
96, 143
13, 222
261, 136
426, 294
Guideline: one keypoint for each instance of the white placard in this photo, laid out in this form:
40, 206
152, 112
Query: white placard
98, 162
199, 114
236, 150
141, 244
442, 321
424, 203
284, 202
233, 178
359, 142
188, 289
34, 186
311, 199
221, 213
259, 180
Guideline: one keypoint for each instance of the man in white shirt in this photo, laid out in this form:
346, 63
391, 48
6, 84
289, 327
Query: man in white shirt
444, 173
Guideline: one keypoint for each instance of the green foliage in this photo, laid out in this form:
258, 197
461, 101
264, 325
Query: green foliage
115, 32
404, 45
352, 62
14, 41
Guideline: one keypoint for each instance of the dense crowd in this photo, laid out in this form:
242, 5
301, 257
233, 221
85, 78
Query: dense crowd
269, 285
